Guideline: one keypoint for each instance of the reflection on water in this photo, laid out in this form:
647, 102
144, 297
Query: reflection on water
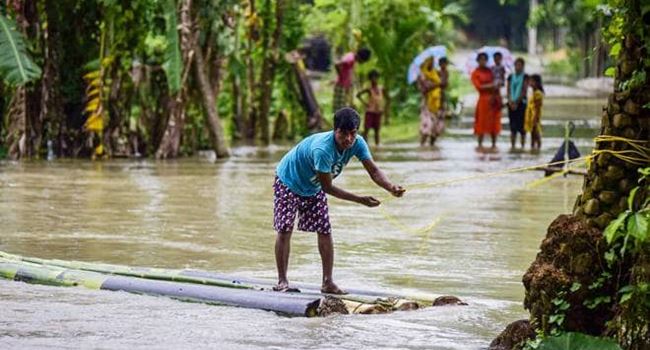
193, 213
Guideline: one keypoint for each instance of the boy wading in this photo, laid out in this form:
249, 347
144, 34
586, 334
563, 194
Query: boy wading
304, 177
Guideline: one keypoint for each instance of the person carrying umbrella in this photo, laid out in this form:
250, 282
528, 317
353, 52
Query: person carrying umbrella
429, 84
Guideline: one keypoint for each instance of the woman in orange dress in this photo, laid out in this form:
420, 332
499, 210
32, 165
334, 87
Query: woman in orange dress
487, 117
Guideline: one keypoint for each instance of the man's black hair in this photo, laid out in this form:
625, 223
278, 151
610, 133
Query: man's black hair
373, 74
520, 60
346, 119
497, 54
481, 54
442, 60
363, 54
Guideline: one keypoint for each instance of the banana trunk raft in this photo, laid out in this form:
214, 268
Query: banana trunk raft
208, 287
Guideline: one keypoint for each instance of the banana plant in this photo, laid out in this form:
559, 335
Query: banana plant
16, 66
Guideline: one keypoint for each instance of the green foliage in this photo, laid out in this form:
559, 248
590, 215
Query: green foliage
395, 32
637, 80
561, 306
173, 63
396, 43
640, 290
614, 33
629, 233
16, 66
577, 341
568, 70
632, 225
579, 15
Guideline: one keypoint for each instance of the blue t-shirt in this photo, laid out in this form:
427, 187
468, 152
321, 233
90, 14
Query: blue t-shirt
317, 154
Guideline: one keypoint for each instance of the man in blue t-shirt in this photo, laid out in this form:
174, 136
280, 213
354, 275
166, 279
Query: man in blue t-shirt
305, 175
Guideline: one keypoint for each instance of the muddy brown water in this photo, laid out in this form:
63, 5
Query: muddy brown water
193, 213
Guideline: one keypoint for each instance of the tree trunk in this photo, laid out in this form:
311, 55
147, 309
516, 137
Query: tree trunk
171, 141
252, 37
304, 92
24, 114
268, 71
2, 110
16, 130
237, 95
250, 96
209, 94
51, 102
610, 178
237, 108
573, 252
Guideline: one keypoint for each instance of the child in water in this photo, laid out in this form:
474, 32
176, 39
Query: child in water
533, 120
374, 105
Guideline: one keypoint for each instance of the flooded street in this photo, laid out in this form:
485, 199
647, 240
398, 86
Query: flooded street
192, 213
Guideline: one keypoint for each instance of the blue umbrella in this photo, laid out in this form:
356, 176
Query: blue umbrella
414, 69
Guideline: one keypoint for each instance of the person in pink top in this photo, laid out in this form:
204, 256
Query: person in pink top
345, 76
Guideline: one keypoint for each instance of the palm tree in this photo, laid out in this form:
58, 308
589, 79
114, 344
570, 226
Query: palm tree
571, 267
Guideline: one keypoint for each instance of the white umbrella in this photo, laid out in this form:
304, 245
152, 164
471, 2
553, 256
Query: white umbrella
414, 68
508, 61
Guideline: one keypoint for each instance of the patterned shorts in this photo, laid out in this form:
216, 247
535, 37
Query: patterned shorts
312, 211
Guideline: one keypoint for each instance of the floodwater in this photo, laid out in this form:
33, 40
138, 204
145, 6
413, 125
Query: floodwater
193, 213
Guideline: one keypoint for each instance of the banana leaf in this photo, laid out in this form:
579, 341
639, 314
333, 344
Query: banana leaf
16, 66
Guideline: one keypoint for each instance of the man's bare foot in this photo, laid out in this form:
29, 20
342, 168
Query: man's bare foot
281, 286
331, 288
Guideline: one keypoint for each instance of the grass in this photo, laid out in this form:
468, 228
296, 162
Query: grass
400, 131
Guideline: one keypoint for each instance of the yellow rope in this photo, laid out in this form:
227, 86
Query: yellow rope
639, 155
546, 179
398, 223
416, 231
494, 174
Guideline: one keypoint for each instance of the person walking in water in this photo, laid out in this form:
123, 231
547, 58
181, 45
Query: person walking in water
345, 76
429, 84
304, 177
516, 88
486, 118
374, 105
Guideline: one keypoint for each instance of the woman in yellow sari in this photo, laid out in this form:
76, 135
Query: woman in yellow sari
429, 84
533, 116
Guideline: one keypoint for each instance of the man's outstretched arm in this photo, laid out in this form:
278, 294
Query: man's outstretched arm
381, 179
327, 186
